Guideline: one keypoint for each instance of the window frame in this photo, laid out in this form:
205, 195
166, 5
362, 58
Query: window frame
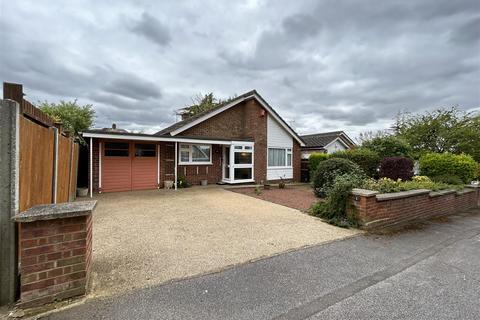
189, 147
288, 151
105, 149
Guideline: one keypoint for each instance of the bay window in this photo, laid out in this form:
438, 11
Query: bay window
195, 154
279, 157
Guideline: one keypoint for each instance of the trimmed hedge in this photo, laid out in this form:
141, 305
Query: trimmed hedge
328, 170
439, 164
314, 159
367, 159
396, 168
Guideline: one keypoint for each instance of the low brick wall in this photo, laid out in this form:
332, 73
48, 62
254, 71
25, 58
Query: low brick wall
376, 211
55, 252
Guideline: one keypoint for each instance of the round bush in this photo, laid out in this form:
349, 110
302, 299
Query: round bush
367, 159
396, 168
440, 164
388, 146
314, 159
326, 172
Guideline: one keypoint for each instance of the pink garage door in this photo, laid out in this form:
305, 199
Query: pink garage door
128, 166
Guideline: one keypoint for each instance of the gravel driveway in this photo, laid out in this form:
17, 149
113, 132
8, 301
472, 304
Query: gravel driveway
149, 237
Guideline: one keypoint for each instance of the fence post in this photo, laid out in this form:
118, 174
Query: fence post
9, 198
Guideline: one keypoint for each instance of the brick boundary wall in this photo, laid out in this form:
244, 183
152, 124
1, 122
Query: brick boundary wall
55, 253
376, 211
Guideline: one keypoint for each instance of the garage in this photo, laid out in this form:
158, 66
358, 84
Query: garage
127, 166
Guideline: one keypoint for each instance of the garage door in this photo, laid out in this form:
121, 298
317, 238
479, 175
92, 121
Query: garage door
128, 166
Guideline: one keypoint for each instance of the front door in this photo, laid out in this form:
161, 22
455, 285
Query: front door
226, 163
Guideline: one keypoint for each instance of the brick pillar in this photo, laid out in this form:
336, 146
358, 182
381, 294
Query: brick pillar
55, 252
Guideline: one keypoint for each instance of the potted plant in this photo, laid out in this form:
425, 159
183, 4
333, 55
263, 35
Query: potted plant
281, 184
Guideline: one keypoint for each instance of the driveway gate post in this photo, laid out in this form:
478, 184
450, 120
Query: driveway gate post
9, 193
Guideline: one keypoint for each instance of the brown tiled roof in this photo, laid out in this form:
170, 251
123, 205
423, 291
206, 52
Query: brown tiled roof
320, 140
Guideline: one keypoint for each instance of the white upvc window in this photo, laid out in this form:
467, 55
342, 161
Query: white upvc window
195, 154
279, 157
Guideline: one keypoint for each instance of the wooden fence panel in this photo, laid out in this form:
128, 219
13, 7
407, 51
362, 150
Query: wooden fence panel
63, 171
36, 164
74, 171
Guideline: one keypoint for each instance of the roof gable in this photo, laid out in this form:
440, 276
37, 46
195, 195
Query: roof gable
183, 125
320, 140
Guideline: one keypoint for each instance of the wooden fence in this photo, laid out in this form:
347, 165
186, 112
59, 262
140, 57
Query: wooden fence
48, 158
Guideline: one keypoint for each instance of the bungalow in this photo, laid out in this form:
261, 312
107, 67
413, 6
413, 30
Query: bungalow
242, 141
326, 142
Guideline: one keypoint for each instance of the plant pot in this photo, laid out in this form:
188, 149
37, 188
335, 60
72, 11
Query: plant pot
281, 185
82, 192
204, 182
168, 184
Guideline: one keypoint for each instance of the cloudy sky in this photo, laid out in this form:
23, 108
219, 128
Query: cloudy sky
323, 65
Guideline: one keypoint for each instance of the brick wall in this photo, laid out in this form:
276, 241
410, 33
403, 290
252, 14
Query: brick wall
55, 259
387, 210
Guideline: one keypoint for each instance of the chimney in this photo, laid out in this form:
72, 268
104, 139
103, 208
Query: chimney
114, 126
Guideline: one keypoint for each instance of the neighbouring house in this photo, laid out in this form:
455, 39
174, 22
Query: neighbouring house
242, 141
326, 142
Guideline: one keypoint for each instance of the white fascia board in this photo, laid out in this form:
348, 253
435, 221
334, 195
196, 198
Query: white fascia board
339, 140
172, 139
346, 137
234, 103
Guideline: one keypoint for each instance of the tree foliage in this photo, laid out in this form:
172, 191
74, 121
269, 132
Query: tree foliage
388, 146
443, 130
435, 165
202, 103
73, 117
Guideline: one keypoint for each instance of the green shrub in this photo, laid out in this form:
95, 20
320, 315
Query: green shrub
396, 168
448, 179
314, 159
334, 208
182, 182
440, 164
367, 159
328, 170
386, 185
388, 146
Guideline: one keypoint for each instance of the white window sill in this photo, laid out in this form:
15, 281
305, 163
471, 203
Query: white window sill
195, 163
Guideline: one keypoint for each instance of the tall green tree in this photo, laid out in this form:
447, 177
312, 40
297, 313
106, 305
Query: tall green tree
443, 130
73, 117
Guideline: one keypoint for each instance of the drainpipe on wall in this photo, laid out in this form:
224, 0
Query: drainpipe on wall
91, 167
158, 166
99, 167
176, 152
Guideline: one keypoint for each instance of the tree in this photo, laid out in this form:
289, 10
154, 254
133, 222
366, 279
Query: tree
443, 130
388, 146
73, 117
202, 103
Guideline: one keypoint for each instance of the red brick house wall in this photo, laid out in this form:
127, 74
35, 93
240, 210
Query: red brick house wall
247, 120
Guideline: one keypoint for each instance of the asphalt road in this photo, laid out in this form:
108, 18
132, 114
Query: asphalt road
430, 272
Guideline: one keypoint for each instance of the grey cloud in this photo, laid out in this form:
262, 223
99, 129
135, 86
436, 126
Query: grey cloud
130, 86
152, 29
468, 32
328, 65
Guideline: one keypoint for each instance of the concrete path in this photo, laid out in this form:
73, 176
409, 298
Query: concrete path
430, 272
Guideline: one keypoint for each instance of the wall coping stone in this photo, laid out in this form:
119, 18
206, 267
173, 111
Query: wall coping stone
439, 193
363, 192
56, 211
465, 191
402, 194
